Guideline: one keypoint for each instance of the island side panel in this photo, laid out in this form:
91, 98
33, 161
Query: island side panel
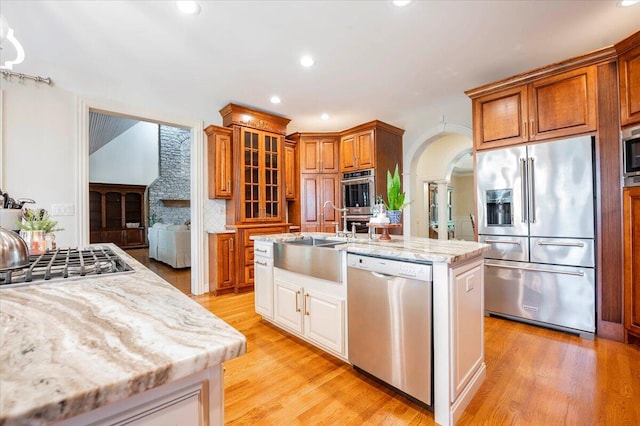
458, 295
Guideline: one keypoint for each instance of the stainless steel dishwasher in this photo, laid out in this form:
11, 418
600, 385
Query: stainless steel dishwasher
390, 322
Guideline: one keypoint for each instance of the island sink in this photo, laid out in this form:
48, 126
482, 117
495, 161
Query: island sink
316, 257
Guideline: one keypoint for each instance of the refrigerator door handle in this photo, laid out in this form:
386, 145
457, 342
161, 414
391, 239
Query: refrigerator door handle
524, 268
516, 242
523, 189
560, 244
531, 191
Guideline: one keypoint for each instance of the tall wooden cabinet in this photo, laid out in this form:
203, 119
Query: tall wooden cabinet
258, 191
319, 181
631, 198
558, 105
114, 211
219, 165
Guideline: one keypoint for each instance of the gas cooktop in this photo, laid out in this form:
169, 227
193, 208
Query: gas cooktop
65, 264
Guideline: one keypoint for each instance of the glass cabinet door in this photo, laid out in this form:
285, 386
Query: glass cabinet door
261, 183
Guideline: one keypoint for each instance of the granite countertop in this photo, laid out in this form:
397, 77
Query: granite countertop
70, 347
400, 247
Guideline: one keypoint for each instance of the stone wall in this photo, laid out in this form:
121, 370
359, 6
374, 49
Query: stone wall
174, 180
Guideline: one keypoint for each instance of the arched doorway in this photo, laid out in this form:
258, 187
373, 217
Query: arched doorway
440, 164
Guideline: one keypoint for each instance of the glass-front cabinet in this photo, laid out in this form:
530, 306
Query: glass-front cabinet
262, 178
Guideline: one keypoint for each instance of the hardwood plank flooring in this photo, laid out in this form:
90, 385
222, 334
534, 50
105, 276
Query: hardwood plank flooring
534, 377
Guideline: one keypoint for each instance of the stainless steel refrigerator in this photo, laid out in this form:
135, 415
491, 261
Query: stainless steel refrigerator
536, 210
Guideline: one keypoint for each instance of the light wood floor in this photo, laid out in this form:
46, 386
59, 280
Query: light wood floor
534, 377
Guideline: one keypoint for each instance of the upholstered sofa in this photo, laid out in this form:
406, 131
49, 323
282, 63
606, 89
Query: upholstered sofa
170, 244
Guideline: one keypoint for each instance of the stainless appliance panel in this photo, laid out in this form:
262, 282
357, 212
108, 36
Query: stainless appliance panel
502, 169
563, 251
561, 180
390, 328
358, 192
506, 247
557, 296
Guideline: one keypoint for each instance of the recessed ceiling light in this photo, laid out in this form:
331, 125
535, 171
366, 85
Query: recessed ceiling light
324, 116
275, 100
306, 61
401, 3
625, 3
188, 7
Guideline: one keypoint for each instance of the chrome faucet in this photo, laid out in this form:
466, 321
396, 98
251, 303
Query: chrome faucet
345, 231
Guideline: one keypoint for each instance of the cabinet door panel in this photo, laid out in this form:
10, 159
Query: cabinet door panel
629, 70
501, 118
310, 199
365, 153
290, 186
330, 187
632, 260
563, 104
263, 282
309, 159
288, 305
329, 152
324, 320
348, 153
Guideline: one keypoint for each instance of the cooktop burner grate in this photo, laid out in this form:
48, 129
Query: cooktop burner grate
66, 263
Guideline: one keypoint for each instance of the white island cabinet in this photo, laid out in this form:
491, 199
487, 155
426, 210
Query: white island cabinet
114, 349
315, 310
263, 278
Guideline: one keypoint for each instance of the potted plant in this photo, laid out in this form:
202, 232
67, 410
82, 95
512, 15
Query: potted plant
36, 227
395, 197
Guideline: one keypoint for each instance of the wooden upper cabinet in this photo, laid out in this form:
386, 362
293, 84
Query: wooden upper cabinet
559, 105
500, 118
319, 154
357, 151
629, 76
563, 104
290, 175
219, 164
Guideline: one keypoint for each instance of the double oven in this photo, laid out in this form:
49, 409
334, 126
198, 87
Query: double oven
358, 195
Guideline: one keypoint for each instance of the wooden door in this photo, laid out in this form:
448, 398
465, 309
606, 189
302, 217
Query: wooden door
629, 76
290, 172
365, 153
500, 119
632, 261
329, 191
219, 163
225, 261
563, 104
348, 153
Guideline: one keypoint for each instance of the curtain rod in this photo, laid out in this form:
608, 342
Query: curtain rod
8, 74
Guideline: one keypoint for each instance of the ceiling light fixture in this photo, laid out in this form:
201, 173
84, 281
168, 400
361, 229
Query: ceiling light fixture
188, 7
275, 100
401, 3
306, 61
625, 3
6, 34
324, 116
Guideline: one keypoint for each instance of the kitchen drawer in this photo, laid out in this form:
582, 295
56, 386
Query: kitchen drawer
563, 251
506, 247
248, 255
263, 249
249, 232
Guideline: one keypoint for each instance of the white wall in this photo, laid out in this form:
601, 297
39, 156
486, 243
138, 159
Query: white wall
41, 149
131, 158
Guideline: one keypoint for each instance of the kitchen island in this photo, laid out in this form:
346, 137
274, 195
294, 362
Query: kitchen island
123, 347
313, 308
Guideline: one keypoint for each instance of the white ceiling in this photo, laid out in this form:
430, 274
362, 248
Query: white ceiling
405, 66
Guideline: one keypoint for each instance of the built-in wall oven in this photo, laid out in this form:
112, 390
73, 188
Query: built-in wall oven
631, 156
358, 194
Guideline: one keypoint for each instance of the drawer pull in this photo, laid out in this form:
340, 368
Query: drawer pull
560, 244
516, 242
261, 263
